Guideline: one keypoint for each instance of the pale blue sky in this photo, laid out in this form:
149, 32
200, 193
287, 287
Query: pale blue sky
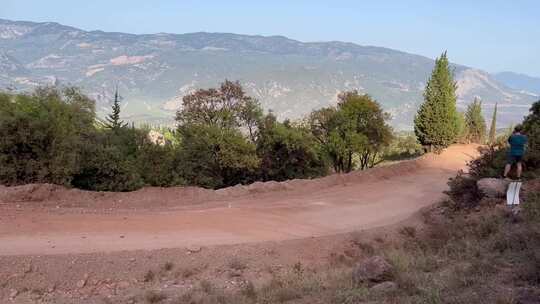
492, 35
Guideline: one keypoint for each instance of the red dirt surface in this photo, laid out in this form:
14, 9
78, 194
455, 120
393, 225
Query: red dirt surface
48, 219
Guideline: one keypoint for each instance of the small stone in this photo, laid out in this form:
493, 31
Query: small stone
492, 187
387, 286
194, 249
235, 273
13, 293
132, 260
123, 284
81, 283
28, 268
122, 236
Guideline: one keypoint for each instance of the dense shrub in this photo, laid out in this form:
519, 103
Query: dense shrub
105, 168
531, 127
213, 157
288, 152
52, 136
42, 135
159, 165
463, 192
403, 146
109, 161
490, 163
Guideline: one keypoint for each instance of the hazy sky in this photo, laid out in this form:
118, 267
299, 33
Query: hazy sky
491, 35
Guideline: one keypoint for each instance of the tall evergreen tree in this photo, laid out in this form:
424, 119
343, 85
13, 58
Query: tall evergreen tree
531, 127
436, 123
113, 120
493, 127
476, 124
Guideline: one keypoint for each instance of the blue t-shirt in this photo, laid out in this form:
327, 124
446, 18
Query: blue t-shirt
517, 144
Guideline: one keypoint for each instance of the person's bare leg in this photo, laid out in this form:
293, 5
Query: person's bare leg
507, 170
519, 170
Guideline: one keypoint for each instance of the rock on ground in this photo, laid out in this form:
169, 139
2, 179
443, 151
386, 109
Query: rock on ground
375, 269
387, 286
492, 187
156, 138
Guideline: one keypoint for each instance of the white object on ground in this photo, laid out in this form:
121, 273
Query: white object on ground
512, 195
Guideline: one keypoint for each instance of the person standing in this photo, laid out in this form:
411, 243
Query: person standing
517, 143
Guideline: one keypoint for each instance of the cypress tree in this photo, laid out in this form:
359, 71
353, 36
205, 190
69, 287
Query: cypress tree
476, 124
463, 131
113, 120
493, 127
436, 123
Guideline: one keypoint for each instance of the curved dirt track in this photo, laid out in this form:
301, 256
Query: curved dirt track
63, 222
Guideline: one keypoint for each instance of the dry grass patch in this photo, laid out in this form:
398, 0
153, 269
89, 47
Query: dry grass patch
236, 263
168, 266
149, 276
152, 297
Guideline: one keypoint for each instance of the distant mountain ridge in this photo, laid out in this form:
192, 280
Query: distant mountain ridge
521, 82
154, 71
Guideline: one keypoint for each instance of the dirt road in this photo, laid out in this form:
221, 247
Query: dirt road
274, 211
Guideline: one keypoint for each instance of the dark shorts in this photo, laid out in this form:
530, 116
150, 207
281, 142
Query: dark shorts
513, 159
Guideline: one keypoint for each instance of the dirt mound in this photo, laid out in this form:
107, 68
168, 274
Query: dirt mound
30, 193
53, 196
446, 160
47, 195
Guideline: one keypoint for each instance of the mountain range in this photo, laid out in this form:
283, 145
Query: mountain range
154, 71
522, 82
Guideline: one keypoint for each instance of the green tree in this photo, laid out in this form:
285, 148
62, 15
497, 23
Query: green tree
225, 107
214, 153
531, 127
356, 128
369, 120
288, 151
436, 123
113, 120
493, 127
475, 122
251, 114
323, 124
463, 131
